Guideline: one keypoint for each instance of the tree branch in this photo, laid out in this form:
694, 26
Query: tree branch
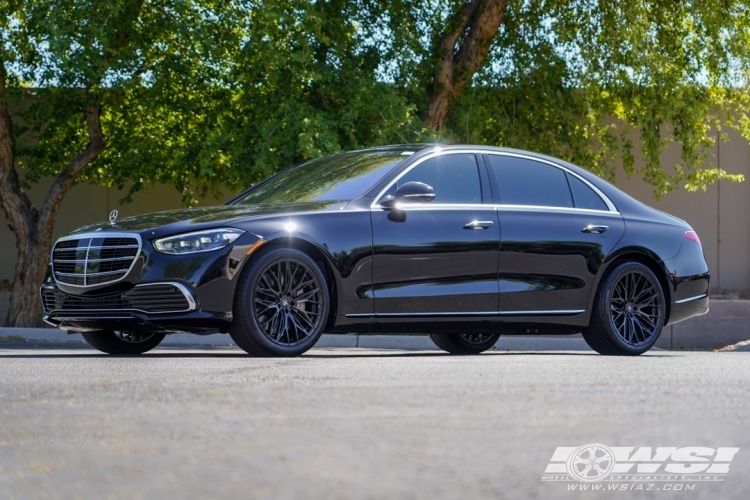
16, 205
97, 142
72, 170
475, 26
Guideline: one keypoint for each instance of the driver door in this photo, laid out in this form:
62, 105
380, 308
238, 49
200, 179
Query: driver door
438, 258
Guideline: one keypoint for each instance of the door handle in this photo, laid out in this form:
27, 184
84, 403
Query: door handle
594, 229
479, 224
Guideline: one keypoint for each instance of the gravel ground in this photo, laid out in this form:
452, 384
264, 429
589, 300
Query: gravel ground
352, 423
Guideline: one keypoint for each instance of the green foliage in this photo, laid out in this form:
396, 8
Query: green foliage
204, 93
572, 78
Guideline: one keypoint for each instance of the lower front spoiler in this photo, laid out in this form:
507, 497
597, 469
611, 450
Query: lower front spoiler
199, 322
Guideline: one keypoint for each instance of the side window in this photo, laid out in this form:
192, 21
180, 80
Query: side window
528, 182
584, 196
455, 178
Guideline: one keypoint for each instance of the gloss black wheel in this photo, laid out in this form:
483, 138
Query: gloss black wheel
629, 311
636, 309
465, 343
119, 342
287, 302
281, 304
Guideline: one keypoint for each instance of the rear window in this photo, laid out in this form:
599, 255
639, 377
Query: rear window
527, 182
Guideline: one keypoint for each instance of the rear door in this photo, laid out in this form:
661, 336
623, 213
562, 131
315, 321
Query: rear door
556, 230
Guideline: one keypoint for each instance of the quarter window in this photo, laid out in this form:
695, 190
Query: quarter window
527, 182
454, 177
584, 196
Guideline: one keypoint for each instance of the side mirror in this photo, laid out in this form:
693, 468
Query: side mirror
411, 192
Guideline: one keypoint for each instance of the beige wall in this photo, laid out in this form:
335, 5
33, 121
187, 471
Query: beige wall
721, 215
86, 204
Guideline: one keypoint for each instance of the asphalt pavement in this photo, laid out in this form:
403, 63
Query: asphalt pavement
352, 423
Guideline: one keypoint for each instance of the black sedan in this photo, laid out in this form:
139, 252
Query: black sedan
464, 243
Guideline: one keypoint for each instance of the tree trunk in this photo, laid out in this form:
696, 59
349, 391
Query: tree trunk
460, 52
25, 301
31, 227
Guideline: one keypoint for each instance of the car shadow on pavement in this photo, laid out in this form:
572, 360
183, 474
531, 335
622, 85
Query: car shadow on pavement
27, 352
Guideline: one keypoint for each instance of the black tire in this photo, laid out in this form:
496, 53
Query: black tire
471, 343
269, 317
123, 342
629, 312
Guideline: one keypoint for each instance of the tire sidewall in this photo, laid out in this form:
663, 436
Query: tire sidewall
604, 306
480, 347
245, 299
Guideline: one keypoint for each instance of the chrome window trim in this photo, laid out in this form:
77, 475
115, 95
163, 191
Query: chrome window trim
459, 206
443, 206
192, 304
93, 235
488, 206
604, 197
682, 301
541, 208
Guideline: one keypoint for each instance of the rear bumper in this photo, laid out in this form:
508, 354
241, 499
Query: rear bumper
689, 279
688, 307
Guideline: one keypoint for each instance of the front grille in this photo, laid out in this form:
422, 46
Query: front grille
89, 261
157, 298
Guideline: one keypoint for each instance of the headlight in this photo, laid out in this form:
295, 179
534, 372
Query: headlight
201, 241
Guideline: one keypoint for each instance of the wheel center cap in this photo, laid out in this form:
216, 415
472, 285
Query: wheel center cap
285, 302
629, 308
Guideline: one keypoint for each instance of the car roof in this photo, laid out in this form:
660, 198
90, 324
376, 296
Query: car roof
622, 201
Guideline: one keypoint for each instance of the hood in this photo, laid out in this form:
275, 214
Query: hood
196, 219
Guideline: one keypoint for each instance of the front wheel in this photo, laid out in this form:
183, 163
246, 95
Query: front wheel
117, 342
628, 313
281, 304
464, 343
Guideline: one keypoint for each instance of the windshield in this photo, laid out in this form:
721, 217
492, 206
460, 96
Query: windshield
340, 177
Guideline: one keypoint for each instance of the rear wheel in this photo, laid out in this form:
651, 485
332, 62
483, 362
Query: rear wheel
117, 342
629, 312
281, 304
464, 343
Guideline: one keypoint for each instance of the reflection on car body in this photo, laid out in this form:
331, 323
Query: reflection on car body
464, 243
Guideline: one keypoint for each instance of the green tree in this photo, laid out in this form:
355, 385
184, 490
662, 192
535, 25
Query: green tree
203, 93
195, 94
571, 78
76, 71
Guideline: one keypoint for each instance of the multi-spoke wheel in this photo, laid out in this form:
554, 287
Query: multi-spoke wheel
281, 304
465, 343
118, 342
629, 311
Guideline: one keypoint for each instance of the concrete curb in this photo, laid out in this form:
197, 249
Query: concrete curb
404, 342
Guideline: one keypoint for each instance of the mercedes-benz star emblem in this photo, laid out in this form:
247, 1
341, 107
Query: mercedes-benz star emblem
113, 217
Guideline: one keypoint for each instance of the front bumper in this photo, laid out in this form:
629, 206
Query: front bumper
191, 293
167, 307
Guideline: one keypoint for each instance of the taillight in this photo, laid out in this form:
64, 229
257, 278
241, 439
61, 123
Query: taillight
693, 236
